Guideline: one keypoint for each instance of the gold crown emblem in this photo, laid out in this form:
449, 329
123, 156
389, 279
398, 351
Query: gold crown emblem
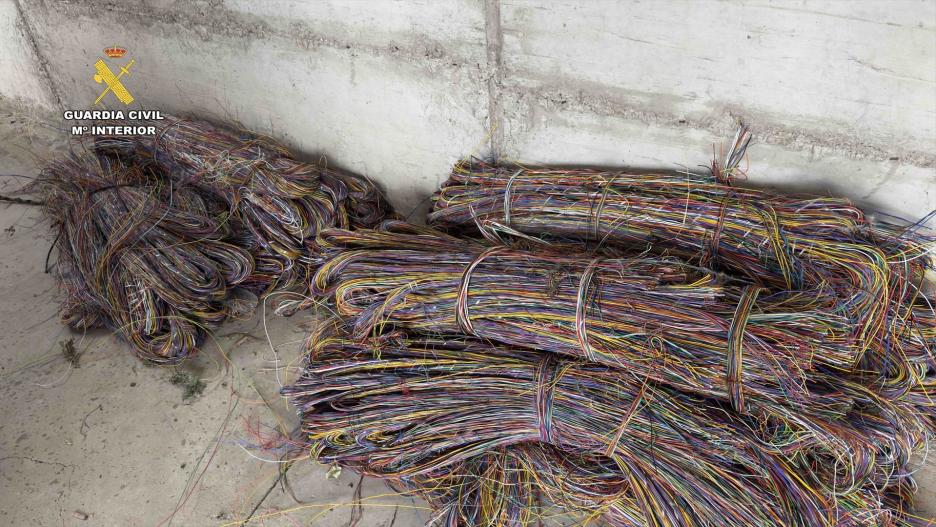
115, 52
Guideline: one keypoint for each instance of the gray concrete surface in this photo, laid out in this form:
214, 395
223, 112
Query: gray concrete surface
22, 77
841, 96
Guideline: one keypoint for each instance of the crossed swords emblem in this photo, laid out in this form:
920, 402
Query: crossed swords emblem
106, 76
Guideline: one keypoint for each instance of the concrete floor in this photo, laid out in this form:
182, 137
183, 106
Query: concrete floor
112, 442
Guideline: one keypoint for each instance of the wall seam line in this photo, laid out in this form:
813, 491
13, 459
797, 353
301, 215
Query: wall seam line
494, 49
40, 58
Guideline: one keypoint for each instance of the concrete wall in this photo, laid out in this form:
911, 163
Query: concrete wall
22, 78
841, 95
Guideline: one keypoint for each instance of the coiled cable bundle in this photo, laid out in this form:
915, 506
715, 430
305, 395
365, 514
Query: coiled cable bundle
485, 432
162, 238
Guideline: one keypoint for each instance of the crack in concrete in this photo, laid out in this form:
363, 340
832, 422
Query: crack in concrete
40, 461
62, 494
263, 498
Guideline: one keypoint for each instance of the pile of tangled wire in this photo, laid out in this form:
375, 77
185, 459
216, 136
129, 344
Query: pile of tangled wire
633, 349
161, 238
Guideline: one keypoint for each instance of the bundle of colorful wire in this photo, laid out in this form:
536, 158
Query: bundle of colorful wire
823, 247
657, 319
280, 203
489, 433
139, 255
493, 380
161, 239
647, 349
